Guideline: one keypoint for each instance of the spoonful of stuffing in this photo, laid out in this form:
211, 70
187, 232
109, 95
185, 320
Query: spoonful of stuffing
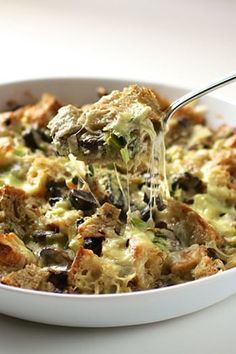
120, 126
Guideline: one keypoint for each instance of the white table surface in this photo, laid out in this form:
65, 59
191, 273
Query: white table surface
182, 42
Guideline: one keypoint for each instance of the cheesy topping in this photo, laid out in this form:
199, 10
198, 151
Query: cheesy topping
127, 207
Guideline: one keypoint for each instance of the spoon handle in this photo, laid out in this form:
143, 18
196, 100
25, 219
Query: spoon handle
193, 95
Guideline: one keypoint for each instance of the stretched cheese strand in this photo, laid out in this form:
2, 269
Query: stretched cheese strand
161, 153
157, 169
121, 187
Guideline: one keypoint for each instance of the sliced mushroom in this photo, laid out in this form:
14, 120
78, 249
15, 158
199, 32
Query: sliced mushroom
55, 188
81, 200
52, 257
30, 139
59, 279
94, 244
189, 184
49, 237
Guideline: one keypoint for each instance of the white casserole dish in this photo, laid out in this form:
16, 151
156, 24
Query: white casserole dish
115, 309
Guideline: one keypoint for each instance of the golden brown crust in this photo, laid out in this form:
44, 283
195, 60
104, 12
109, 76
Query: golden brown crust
39, 113
148, 264
31, 277
193, 262
118, 101
106, 218
6, 151
89, 275
84, 131
184, 261
76, 264
207, 267
43, 111
13, 252
16, 214
189, 227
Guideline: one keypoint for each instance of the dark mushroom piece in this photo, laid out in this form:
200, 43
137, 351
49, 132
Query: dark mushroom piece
156, 204
30, 139
79, 222
52, 201
82, 200
189, 183
90, 142
54, 188
44, 135
49, 237
94, 244
52, 257
145, 213
115, 195
59, 279
34, 137
160, 204
42, 235
55, 191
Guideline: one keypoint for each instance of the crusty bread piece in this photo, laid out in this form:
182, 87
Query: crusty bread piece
4, 270
15, 211
188, 226
221, 174
207, 267
39, 113
193, 262
89, 274
13, 252
31, 277
98, 115
42, 169
148, 261
105, 220
6, 151
83, 131
143, 261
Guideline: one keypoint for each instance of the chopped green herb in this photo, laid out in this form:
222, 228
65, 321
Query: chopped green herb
139, 223
160, 241
75, 180
90, 170
116, 141
125, 155
20, 150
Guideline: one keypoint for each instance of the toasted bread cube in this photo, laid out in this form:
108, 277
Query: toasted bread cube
31, 277
188, 226
90, 275
39, 113
117, 128
148, 261
104, 220
13, 252
17, 211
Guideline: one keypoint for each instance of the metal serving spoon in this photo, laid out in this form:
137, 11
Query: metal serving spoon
193, 95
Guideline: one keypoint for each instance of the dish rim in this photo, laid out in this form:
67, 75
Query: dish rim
113, 79
168, 289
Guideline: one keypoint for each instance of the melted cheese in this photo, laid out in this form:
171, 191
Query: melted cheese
220, 216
